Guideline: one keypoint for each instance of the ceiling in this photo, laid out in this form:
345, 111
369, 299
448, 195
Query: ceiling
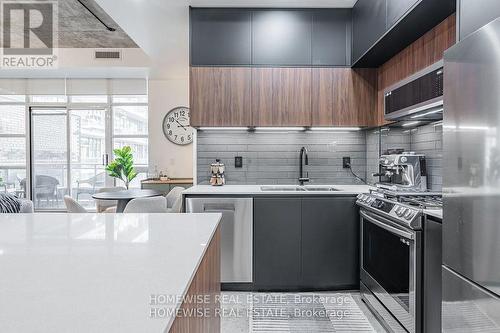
274, 3
78, 28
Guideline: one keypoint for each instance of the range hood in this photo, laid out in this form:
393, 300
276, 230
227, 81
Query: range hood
417, 98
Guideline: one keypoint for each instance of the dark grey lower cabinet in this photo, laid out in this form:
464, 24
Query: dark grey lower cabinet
306, 243
277, 243
330, 243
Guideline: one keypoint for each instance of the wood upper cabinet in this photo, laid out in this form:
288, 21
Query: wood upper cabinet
281, 96
236, 96
220, 96
344, 97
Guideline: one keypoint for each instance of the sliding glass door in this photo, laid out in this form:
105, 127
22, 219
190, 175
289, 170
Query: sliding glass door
89, 153
49, 157
69, 152
13, 145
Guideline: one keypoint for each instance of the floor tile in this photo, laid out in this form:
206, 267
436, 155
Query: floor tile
296, 312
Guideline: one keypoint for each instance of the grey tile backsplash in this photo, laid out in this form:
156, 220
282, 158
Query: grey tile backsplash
427, 140
273, 158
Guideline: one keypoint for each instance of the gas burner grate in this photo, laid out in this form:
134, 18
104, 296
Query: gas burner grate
424, 202
413, 197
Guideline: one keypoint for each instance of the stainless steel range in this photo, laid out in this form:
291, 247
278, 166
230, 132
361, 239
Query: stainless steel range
401, 258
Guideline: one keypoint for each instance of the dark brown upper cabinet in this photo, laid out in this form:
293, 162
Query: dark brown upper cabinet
331, 37
220, 96
281, 96
344, 97
282, 37
221, 37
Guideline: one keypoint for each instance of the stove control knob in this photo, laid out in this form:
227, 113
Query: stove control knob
399, 211
409, 214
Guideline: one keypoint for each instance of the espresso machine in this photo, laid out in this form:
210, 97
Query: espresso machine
404, 171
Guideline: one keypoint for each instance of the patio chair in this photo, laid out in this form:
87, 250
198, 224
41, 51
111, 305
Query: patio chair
89, 186
46, 188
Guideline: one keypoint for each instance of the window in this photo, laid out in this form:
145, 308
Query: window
48, 99
130, 99
13, 144
75, 124
12, 98
89, 99
130, 120
130, 128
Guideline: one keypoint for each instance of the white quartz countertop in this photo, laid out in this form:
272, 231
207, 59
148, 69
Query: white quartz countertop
256, 190
97, 272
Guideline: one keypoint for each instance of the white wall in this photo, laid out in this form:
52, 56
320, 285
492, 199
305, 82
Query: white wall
176, 160
80, 63
161, 29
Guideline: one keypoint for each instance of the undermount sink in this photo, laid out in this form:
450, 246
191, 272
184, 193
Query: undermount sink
283, 188
287, 188
320, 188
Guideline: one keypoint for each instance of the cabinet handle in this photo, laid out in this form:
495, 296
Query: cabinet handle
218, 207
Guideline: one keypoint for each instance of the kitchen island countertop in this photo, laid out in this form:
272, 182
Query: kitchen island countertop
97, 272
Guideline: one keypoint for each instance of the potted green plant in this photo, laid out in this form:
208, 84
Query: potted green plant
122, 167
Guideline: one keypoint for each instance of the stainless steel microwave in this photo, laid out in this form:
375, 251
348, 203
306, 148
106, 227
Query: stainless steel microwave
418, 97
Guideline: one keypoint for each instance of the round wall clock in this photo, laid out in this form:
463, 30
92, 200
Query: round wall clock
176, 126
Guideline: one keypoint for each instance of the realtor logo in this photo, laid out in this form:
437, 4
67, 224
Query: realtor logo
28, 34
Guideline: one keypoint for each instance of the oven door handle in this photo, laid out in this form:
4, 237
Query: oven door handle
387, 226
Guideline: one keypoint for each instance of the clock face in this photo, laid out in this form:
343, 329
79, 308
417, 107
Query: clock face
176, 126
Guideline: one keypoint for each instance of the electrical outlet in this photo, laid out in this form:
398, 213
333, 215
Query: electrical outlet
346, 162
238, 162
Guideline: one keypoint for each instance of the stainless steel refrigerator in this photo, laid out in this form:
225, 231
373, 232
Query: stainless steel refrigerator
471, 184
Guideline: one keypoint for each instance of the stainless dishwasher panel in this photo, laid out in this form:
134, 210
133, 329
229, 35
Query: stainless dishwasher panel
236, 234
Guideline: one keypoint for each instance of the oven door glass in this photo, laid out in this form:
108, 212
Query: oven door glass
386, 257
390, 262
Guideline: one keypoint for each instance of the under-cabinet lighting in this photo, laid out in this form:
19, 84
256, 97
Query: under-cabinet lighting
411, 123
280, 129
426, 114
334, 129
222, 129
474, 128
